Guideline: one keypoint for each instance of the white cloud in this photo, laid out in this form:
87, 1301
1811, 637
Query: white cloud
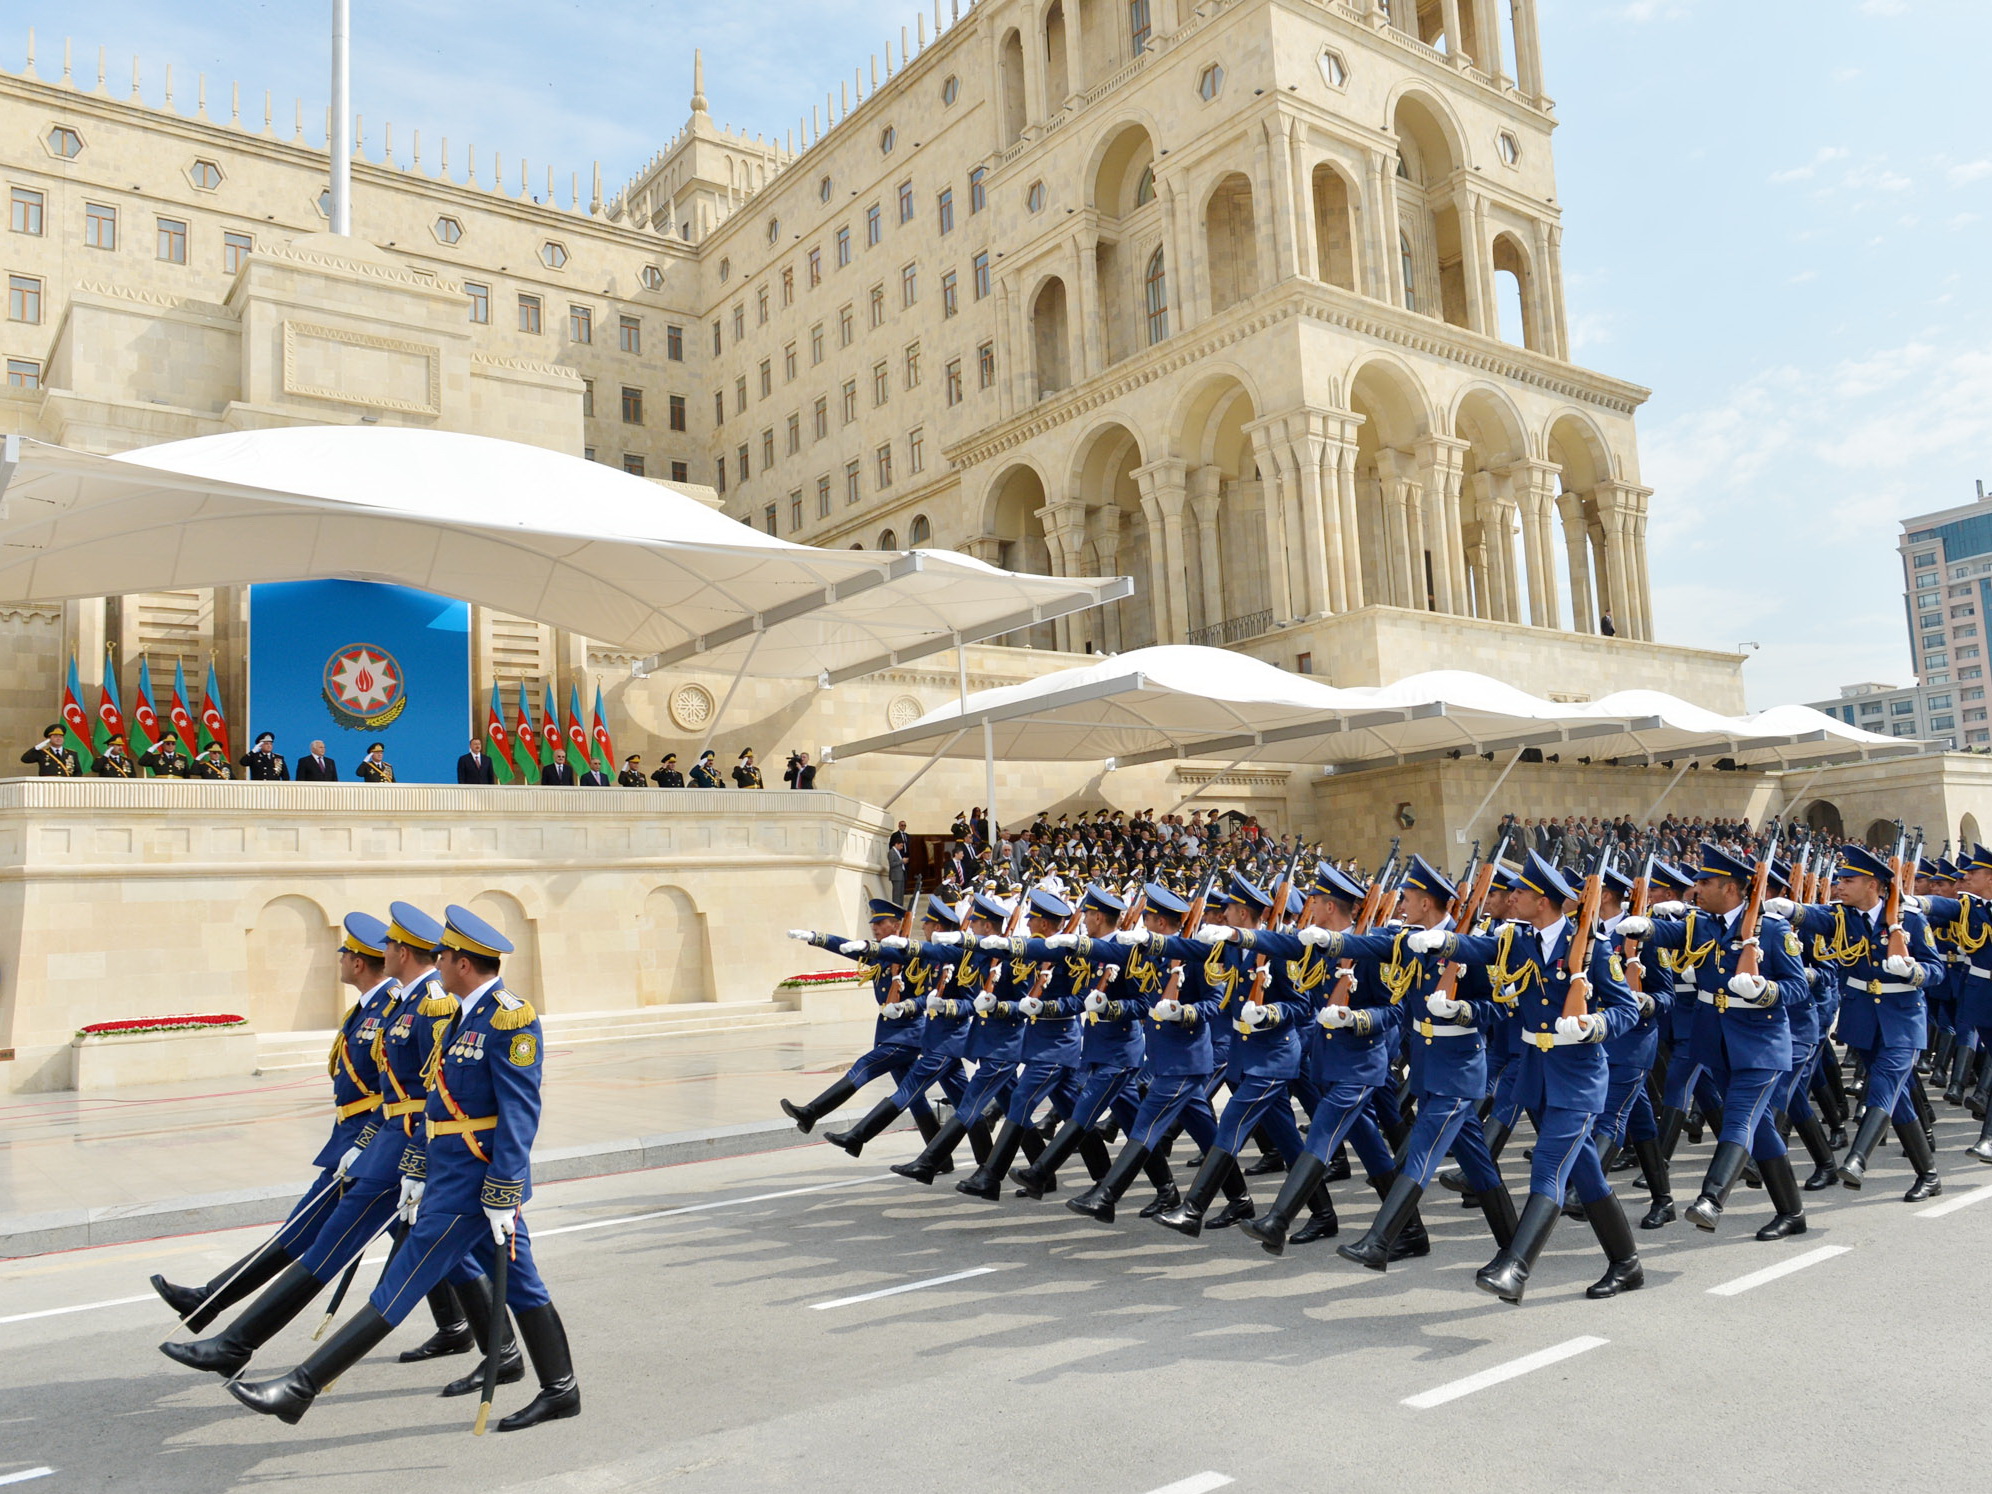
1968, 172
1883, 7
1803, 277
1825, 155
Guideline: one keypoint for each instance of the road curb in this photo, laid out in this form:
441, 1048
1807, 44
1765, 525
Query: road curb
79, 1229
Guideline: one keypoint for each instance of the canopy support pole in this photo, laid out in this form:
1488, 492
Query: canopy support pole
1488, 798
989, 787
1206, 785
712, 726
961, 678
1654, 808
922, 773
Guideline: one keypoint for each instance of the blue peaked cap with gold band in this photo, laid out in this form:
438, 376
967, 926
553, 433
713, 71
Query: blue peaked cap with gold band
1975, 859
1712, 861
982, 905
409, 925
941, 912
1047, 904
1242, 891
885, 907
1162, 900
365, 935
1537, 875
1666, 874
464, 930
1859, 861
1331, 881
1424, 877
1506, 879
1100, 900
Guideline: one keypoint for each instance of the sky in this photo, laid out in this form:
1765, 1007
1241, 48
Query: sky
1776, 218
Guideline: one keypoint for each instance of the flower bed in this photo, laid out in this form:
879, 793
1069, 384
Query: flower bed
816, 978
162, 1024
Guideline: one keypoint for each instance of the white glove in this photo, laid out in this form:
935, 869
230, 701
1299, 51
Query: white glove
1214, 933
1166, 1011
851, 947
949, 937
1913, 903
1253, 1013
1586, 1029
933, 1002
1811, 975
893, 1010
1337, 1016
346, 1162
1424, 941
411, 1199
1749, 988
802, 934
1133, 938
1444, 1006
1674, 909
990, 943
1904, 968
503, 1222
1780, 907
1644, 1002
985, 1003
1062, 941
1096, 1001
894, 941
1634, 926
1030, 1006
1314, 935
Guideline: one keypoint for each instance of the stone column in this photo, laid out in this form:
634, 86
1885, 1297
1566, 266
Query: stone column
1480, 313
1534, 485
1383, 172
1442, 460
1487, 24
1276, 481
1106, 527
1576, 544
1075, 48
1494, 505
1303, 195
1528, 51
1204, 484
1036, 106
1338, 476
1185, 264
1276, 151
1554, 318
1621, 511
1403, 529
1086, 277
1449, 13
1064, 521
1163, 494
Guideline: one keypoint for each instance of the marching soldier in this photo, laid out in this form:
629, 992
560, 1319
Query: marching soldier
667, 774
472, 1176
1628, 1119
374, 767
356, 1085
264, 762
51, 756
114, 761
1965, 920
632, 773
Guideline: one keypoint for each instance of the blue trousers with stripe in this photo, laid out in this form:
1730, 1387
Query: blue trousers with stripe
1172, 1098
896, 1060
442, 1245
1564, 1159
1039, 1082
1628, 1113
309, 1214
1254, 1102
1449, 1123
1344, 1114
926, 1071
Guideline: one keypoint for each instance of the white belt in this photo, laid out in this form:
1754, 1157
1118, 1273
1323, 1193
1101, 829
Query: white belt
1974, 973
1684, 988
1444, 1029
1723, 1000
1550, 1039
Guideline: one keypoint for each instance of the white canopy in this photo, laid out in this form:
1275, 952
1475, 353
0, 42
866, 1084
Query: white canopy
576, 544
1179, 701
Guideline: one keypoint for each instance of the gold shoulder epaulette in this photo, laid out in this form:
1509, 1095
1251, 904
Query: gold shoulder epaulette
512, 1018
442, 1004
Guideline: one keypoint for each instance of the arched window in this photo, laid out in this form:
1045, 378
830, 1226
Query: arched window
1410, 272
1144, 190
919, 532
887, 540
1156, 282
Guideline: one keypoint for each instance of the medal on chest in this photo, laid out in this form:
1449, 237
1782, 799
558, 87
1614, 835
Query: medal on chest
468, 1047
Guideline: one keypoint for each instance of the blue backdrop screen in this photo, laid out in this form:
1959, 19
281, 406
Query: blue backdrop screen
351, 663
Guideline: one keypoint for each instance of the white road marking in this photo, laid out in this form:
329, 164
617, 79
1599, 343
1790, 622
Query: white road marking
911, 1286
27, 1473
1196, 1483
1513, 1369
56, 1312
1783, 1268
721, 1203
1952, 1205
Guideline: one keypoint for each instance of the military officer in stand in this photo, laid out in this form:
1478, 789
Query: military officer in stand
1881, 1005
631, 775
166, 760
211, 765
705, 774
264, 762
473, 1177
114, 761
374, 767
1564, 1076
356, 1086
51, 757
667, 774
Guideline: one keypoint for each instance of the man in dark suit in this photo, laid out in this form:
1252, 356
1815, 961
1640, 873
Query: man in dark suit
316, 767
594, 777
557, 774
475, 767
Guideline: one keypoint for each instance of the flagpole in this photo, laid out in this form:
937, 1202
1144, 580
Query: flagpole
342, 120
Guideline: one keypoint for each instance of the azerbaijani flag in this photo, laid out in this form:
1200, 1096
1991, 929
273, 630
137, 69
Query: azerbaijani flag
577, 734
601, 734
177, 712
214, 724
110, 715
498, 741
76, 722
146, 732
527, 739
550, 734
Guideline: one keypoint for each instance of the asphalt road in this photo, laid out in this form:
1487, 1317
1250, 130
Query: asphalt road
716, 1352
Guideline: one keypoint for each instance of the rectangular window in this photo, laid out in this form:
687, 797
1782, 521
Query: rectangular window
716, 338
235, 251
881, 383
632, 464
674, 340
580, 324
740, 322
681, 471
978, 190
816, 345
981, 266
740, 395
587, 453
767, 377
795, 433
850, 400
905, 202
950, 299
795, 510
1938, 702
23, 373
947, 210
1968, 651
815, 268
874, 226
878, 306
480, 301
1925, 559
719, 407
719, 473
1901, 707
632, 406
767, 448
853, 478
677, 412
1977, 693
1975, 714
823, 497
916, 452
26, 207
1965, 630
742, 455
529, 314
173, 241
761, 307
788, 285
629, 335
100, 226
985, 365
913, 365
954, 382
768, 518
820, 417
587, 399
788, 364
1973, 672
24, 299
909, 285
843, 247
1137, 26
882, 461
845, 326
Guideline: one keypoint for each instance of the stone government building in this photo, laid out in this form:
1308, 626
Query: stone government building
1258, 302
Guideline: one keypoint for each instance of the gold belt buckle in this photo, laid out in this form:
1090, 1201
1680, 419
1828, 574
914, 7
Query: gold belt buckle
1425, 1028
1721, 1001
1874, 988
1543, 1040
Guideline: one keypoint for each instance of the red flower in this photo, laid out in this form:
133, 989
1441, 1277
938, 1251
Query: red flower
162, 1024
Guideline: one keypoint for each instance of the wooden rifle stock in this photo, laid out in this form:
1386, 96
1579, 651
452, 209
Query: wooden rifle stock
1192, 920
1469, 914
1578, 1002
1901, 885
1366, 918
1749, 961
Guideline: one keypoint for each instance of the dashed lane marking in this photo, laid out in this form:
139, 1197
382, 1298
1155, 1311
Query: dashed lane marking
910, 1286
1783, 1268
1513, 1369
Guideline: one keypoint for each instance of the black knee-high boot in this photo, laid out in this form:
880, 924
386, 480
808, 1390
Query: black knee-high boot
1507, 1275
1789, 1203
1963, 1060
1098, 1201
1269, 1160
1377, 1246
1039, 1176
807, 1114
452, 1335
559, 1394
1624, 1273
511, 1368
881, 1115
923, 1167
201, 1305
1498, 1205
987, 1180
1982, 1148
1187, 1218
1659, 1184
1163, 1181
929, 1126
1853, 1167
1918, 1152
1812, 1134
1303, 1182
1723, 1170
228, 1352
1411, 1239
1237, 1200
290, 1397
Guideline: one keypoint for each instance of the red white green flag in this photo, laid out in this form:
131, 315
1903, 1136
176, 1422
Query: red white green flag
76, 721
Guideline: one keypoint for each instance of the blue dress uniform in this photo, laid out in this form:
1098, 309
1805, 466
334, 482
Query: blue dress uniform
1564, 1077
475, 1165
1743, 1039
355, 1106
1881, 1014
1964, 923
896, 1033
